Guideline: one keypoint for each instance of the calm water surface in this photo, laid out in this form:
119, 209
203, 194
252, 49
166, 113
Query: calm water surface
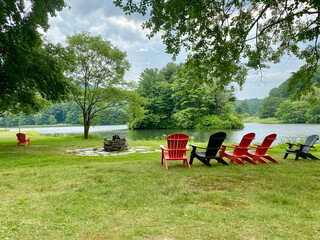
285, 132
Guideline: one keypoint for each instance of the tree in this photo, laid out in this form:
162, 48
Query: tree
29, 70
155, 87
96, 69
268, 107
292, 111
243, 108
52, 120
226, 38
171, 103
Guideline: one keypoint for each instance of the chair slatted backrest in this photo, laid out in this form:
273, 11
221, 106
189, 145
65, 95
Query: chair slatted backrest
178, 143
242, 148
309, 142
21, 137
268, 140
214, 143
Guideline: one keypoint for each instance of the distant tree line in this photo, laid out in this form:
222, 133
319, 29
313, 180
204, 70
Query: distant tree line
247, 107
281, 105
65, 113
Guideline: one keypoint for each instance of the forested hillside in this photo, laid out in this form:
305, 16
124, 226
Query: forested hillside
280, 105
247, 107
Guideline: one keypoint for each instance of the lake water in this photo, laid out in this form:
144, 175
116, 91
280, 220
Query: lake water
285, 132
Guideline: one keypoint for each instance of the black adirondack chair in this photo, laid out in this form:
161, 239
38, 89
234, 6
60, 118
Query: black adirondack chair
303, 149
211, 151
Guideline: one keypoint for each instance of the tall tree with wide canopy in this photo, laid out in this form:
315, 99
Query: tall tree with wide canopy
96, 69
226, 38
29, 71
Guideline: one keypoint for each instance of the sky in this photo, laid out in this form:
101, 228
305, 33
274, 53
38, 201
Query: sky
101, 17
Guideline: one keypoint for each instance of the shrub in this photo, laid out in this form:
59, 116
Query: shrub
150, 121
226, 121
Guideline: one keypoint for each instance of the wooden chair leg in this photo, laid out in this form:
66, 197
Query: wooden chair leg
249, 160
162, 158
191, 159
271, 159
258, 159
234, 159
204, 161
220, 160
312, 156
188, 164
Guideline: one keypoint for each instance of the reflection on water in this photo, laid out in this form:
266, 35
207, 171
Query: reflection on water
285, 132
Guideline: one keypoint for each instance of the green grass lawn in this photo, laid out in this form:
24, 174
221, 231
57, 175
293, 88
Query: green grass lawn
47, 193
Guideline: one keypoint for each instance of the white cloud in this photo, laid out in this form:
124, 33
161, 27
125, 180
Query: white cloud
143, 49
55, 36
124, 22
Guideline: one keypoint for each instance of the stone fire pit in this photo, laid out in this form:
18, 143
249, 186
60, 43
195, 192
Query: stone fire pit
115, 144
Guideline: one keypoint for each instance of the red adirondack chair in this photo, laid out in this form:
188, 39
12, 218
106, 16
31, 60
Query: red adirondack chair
239, 154
261, 150
21, 137
177, 148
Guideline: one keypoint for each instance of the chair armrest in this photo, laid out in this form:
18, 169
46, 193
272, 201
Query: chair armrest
292, 144
303, 145
260, 146
162, 147
263, 147
214, 148
195, 146
243, 147
225, 146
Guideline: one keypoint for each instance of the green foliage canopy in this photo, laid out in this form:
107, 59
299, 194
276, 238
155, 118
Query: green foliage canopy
226, 38
269, 106
29, 71
170, 103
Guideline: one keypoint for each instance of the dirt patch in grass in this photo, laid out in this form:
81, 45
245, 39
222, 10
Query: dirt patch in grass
96, 236
162, 238
222, 194
106, 236
97, 178
207, 183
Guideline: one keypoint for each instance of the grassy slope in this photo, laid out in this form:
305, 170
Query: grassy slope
260, 120
47, 193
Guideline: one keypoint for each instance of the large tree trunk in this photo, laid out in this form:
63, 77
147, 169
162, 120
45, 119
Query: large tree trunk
86, 130
86, 125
